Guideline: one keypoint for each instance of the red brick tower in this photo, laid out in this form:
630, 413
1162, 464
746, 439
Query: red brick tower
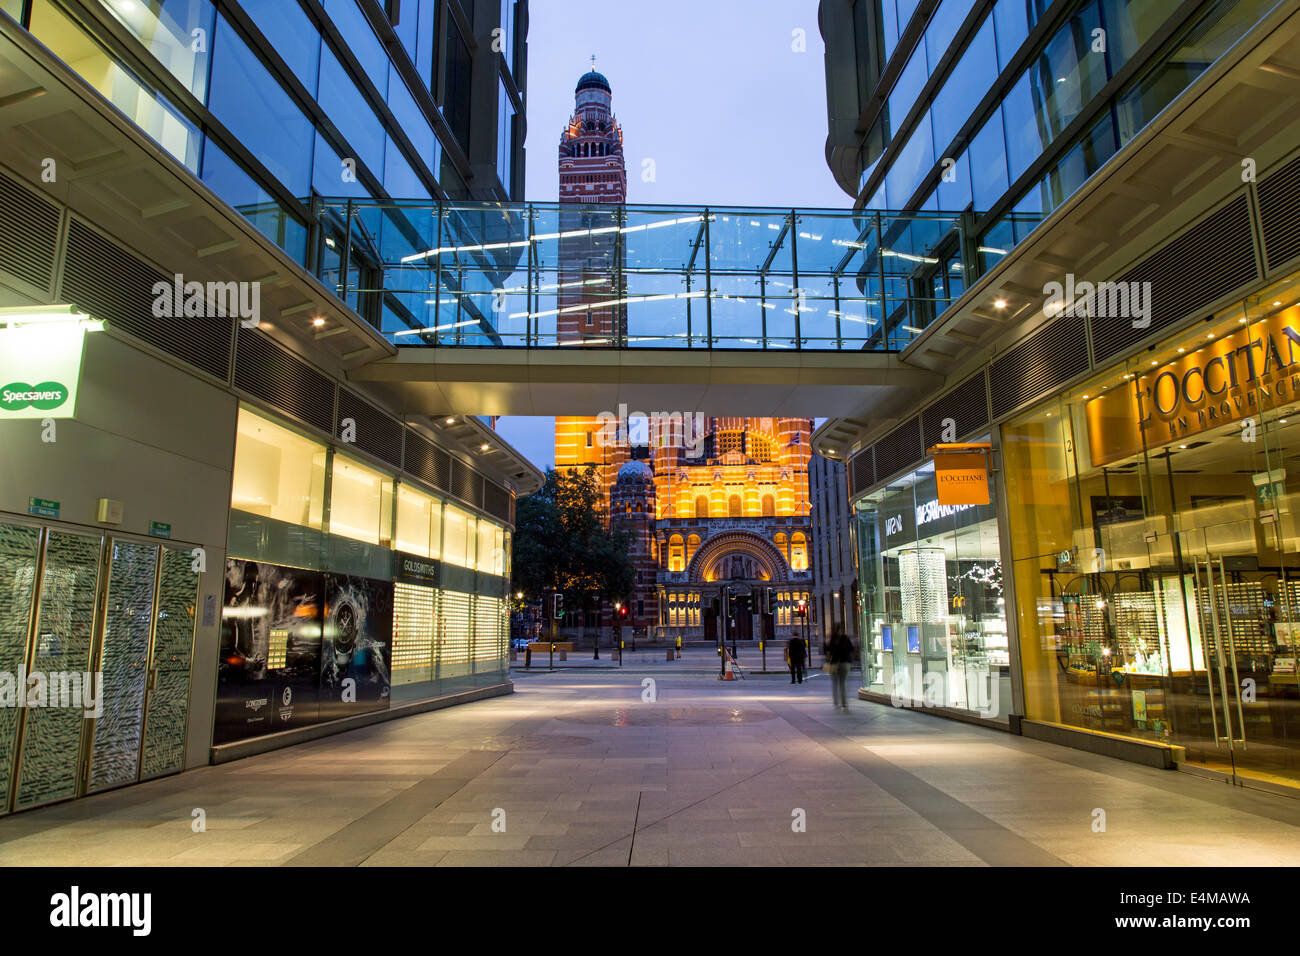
592, 172
632, 509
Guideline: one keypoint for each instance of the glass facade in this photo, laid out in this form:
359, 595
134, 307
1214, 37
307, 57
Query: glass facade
276, 109
916, 157
931, 606
1156, 545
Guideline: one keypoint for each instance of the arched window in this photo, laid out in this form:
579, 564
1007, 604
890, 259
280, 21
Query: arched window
701, 506
798, 552
779, 540
676, 560
769, 506
692, 543
733, 506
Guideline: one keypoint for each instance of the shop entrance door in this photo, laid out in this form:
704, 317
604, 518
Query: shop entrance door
97, 634
1243, 609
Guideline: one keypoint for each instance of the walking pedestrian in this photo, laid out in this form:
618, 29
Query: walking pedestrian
839, 658
796, 651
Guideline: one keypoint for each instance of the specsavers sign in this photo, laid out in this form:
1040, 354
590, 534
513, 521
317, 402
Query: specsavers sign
1221, 382
40, 367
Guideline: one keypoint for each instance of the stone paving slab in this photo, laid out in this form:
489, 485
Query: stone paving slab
747, 774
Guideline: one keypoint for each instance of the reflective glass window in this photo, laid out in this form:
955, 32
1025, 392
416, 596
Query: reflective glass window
456, 92
888, 23
1011, 21
1066, 75
228, 180
360, 38
1027, 132
965, 86
508, 34
351, 112
327, 174
943, 26
988, 163
913, 161
278, 474
954, 191
144, 107
176, 33
257, 110
292, 34
427, 41
1130, 23
505, 136
907, 88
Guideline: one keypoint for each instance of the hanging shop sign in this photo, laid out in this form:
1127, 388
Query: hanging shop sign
961, 473
40, 368
1221, 382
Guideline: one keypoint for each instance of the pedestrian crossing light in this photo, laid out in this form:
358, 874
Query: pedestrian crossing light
803, 609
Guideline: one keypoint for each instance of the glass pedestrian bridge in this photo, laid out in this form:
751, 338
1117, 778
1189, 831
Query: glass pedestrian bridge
568, 275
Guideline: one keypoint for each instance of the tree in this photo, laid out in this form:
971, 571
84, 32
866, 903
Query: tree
563, 543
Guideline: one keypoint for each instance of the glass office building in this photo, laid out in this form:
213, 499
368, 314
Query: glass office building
274, 103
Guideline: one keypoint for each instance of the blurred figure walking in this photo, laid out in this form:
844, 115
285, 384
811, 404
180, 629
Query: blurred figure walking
839, 658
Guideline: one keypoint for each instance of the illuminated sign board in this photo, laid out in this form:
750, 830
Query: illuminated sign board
40, 369
1224, 381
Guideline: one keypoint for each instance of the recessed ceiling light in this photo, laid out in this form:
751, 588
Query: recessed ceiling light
483, 447
999, 303
1275, 302
450, 421
1209, 335
318, 321
1153, 361
1087, 396
1181, 351
1182, 446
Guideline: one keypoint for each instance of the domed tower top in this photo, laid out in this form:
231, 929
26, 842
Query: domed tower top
593, 79
635, 472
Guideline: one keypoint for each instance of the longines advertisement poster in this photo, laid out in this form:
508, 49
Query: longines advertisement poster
356, 647
299, 647
270, 650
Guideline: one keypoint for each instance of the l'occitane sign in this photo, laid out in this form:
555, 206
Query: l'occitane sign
1223, 381
961, 473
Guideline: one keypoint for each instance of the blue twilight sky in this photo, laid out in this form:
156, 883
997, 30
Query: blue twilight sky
713, 92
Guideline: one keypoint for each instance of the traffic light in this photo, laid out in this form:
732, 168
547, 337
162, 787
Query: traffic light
622, 611
802, 610
771, 601
726, 602
558, 610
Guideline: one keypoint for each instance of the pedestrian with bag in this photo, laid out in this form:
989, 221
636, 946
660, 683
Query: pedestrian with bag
839, 658
796, 652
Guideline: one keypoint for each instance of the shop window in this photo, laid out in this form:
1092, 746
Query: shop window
361, 502
278, 474
458, 537
419, 522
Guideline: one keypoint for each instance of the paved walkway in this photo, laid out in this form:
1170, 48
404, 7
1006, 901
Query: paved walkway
577, 769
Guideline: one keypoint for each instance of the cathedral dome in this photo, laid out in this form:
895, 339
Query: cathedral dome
637, 471
592, 80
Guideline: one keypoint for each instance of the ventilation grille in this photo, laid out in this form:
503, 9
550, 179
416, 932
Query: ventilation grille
862, 472
376, 433
496, 500
1204, 264
273, 374
900, 448
29, 234
967, 405
466, 483
1279, 214
426, 461
1037, 365
110, 283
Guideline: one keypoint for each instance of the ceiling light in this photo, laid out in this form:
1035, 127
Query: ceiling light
1181, 351
1275, 302
1182, 446
999, 303
450, 421
1209, 335
483, 447
318, 322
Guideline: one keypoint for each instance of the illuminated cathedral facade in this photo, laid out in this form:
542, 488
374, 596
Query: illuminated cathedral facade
709, 503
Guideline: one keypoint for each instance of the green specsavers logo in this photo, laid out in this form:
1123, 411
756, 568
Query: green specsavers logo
46, 395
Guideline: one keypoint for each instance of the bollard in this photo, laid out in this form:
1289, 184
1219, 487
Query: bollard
528, 656
552, 664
